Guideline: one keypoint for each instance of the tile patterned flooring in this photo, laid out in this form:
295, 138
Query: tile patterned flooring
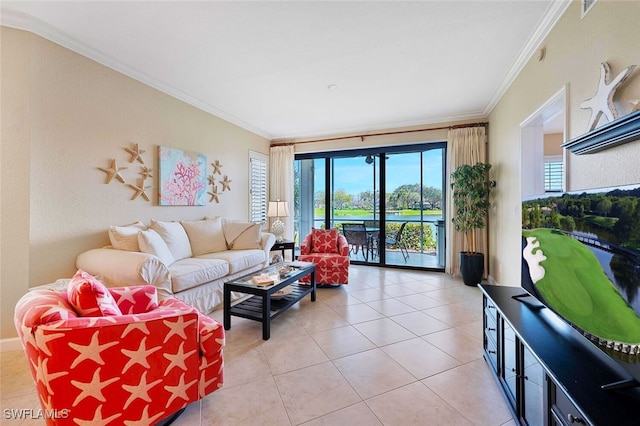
394, 347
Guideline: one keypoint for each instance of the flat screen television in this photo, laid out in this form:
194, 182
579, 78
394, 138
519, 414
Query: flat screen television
581, 258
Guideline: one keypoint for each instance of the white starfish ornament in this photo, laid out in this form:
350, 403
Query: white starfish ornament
602, 101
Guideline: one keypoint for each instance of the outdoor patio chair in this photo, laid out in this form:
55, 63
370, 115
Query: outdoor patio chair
396, 241
356, 235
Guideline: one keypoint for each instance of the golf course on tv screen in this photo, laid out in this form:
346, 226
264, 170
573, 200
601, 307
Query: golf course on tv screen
583, 260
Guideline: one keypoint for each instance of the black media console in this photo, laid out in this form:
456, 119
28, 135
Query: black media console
549, 373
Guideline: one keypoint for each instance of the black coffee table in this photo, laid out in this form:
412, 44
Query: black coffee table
261, 307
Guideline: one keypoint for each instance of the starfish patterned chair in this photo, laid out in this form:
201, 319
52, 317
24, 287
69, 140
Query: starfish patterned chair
329, 250
103, 355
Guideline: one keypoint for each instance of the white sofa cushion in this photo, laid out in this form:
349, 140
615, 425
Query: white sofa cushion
242, 235
151, 242
238, 260
205, 235
126, 237
175, 236
192, 272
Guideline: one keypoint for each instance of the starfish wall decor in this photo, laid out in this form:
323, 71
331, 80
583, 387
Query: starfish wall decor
145, 172
225, 183
113, 171
216, 167
602, 102
135, 153
140, 190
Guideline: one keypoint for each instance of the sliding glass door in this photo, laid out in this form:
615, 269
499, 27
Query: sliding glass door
355, 195
414, 215
391, 199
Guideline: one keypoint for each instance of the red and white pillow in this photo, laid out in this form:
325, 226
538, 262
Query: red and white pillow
324, 240
89, 297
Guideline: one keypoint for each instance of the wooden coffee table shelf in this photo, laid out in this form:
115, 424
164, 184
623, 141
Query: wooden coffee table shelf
260, 307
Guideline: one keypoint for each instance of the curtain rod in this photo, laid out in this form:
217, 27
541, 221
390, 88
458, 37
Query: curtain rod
362, 136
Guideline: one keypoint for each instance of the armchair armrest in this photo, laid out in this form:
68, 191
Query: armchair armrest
305, 245
343, 245
118, 268
267, 240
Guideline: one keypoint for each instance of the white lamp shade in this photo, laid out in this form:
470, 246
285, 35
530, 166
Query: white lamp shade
278, 209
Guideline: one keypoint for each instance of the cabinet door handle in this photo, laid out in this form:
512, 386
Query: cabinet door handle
491, 329
492, 352
573, 419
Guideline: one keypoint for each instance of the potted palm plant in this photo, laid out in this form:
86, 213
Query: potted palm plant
471, 189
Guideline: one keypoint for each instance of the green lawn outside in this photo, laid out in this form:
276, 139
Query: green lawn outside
580, 291
603, 222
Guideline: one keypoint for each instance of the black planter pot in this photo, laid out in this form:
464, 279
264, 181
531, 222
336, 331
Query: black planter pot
471, 267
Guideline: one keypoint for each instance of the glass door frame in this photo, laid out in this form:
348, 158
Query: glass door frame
379, 153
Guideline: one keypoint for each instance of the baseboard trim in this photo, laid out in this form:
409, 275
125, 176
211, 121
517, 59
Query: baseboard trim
11, 344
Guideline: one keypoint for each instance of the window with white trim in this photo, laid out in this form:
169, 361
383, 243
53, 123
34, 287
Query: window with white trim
258, 174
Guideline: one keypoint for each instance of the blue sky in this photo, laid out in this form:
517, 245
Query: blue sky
354, 175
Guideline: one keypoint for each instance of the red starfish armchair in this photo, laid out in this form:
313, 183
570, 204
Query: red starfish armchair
101, 355
329, 250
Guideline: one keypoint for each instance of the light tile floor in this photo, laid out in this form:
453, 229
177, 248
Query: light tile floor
394, 347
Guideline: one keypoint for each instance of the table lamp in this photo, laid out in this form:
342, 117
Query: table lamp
278, 209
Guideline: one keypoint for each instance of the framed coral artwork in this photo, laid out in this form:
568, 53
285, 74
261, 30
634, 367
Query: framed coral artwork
183, 177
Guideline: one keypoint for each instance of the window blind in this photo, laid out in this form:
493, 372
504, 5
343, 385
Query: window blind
258, 187
553, 176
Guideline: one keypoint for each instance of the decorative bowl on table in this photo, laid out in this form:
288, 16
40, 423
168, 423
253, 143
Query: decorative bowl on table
281, 293
284, 270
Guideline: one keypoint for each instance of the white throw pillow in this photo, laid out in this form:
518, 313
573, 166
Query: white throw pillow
126, 237
205, 235
175, 236
242, 235
151, 242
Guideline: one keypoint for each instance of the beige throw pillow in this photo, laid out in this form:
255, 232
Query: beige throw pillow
126, 237
242, 235
151, 242
175, 236
205, 236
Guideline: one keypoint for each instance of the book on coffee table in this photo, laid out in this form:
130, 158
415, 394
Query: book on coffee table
262, 280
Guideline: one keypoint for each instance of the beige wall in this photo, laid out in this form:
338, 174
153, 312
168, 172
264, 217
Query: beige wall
552, 142
63, 116
574, 50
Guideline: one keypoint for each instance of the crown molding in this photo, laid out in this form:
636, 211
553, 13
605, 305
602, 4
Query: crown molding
550, 19
21, 21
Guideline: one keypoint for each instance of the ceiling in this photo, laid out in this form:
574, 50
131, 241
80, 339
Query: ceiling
302, 69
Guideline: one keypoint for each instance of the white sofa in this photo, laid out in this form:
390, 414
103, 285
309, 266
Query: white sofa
189, 260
